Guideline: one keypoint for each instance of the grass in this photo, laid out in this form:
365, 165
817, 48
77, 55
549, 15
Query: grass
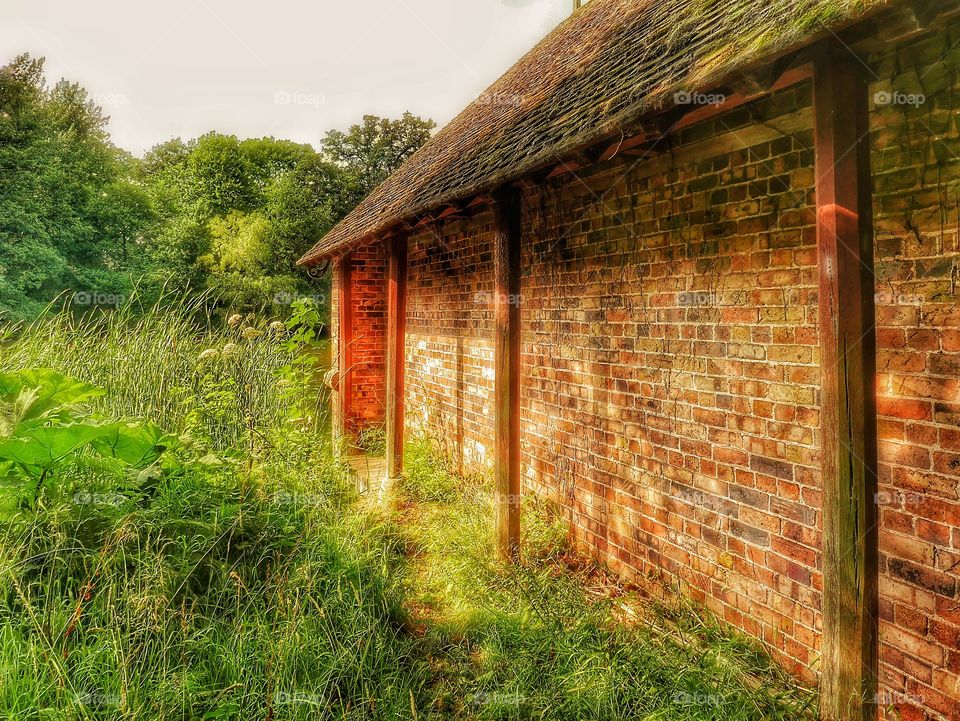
244, 582
235, 583
170, 364
555, 637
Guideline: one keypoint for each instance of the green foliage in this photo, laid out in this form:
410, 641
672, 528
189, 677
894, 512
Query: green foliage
171, 365
372, 150
236, 215
69, 210
309, 358
215, 213
184, 577
43, 426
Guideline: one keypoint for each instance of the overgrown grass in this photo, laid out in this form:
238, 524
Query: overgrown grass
235, 583
554, 637
170, 364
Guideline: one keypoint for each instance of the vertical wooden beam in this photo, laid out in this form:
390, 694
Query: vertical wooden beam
345, 342
848, 357
396, 351
506, 315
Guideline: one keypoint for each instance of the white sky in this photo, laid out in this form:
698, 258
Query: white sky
283, 68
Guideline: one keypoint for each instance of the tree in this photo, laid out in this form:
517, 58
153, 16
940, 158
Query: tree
371, 151
215, 213
66, 201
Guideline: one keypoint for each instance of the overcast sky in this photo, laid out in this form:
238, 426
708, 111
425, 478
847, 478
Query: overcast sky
283, 68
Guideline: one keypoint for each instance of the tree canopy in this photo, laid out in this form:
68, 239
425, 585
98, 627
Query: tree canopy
217, 213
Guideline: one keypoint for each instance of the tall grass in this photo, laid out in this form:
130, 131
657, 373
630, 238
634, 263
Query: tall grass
170, 364
233, 583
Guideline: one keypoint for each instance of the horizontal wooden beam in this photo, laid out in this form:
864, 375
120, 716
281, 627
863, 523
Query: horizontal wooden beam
742, 96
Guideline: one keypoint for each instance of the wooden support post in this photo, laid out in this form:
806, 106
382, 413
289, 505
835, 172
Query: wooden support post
506, 314
396, 351
848, 366
345, 343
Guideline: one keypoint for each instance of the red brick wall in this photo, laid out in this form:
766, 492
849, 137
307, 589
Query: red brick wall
670, 353
917, 190
449, 346
368, 374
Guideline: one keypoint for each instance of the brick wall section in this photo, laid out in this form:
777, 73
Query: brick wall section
916, 191
670, 349
368, 376
449, 348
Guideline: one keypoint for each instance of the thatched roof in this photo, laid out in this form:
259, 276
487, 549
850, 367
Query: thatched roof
607, 65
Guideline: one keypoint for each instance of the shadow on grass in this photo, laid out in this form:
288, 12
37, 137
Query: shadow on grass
555, 637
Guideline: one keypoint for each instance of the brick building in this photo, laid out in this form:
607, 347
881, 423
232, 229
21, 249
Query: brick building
690, 269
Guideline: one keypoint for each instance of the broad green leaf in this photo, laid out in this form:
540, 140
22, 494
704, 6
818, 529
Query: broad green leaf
40, 393
45, 446
10, 386
138, 445
55, 390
